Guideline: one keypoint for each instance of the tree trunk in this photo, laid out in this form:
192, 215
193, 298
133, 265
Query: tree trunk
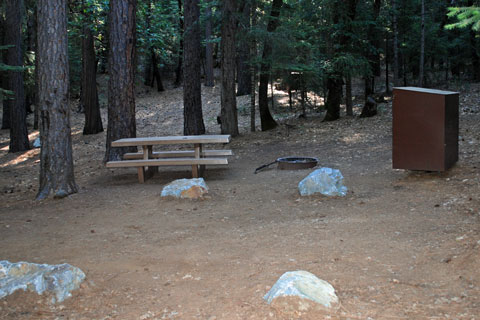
243, 55
89, 95
192, 82
348, 96
156, 72
3, 78
395, 45
377, 40
16, 105
387, 58
253, 75
266, 118
36, 112
475, 56
229, 121
373, 54
422, 47
178, 71
209, 79
148, 71
121, 83
30, 92
334, 98
334, 79
56, 158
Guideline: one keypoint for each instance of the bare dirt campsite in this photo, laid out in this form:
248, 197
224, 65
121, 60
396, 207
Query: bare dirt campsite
400, 245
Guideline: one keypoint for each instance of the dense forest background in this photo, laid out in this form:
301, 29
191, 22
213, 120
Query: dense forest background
53, 50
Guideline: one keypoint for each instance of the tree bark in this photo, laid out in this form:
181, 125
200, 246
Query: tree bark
229, 120
89, 94
3, 78
253, 75
334, 79
373, 54
16, 105
178, 71
422, 47
209, 79
192, 82
348, 96
334, 98
266, 118
395, 44
56, 158
156, 72
243, 55
121, 83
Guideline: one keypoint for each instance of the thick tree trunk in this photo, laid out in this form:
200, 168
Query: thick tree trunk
266, 118
121, 83
192, 82
334, 98
89, 95
209, 80
56, 159
422, 47
16, 105
178, 71
243, 55
229, 123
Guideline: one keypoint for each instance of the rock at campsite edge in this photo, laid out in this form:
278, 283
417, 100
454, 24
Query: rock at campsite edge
304, 285
186, 188
326, 181
58, 279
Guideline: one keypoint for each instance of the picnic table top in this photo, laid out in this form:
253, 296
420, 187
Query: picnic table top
148, 141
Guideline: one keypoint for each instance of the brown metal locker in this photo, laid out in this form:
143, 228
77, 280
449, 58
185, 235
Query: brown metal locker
425, 129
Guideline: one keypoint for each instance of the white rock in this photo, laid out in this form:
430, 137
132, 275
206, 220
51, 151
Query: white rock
305, 285
326, 181
59, 279
186, 188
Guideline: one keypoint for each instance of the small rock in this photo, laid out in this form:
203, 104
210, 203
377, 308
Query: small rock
37, 143
305, 285
186, 189
326, 181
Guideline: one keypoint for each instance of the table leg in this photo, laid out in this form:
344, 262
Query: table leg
196, 169
146, 172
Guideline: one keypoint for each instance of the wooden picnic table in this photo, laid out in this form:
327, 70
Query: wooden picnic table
147, 161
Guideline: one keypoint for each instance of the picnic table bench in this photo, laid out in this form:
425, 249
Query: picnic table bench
147, 161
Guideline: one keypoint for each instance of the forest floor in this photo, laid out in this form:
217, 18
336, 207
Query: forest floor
400, 245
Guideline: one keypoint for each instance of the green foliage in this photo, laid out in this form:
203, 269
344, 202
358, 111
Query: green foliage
466, 16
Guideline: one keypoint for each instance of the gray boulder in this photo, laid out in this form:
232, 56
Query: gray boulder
326, 181
186, 189
304, 285
58, 279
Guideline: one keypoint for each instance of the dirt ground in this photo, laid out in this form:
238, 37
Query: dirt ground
400, 245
